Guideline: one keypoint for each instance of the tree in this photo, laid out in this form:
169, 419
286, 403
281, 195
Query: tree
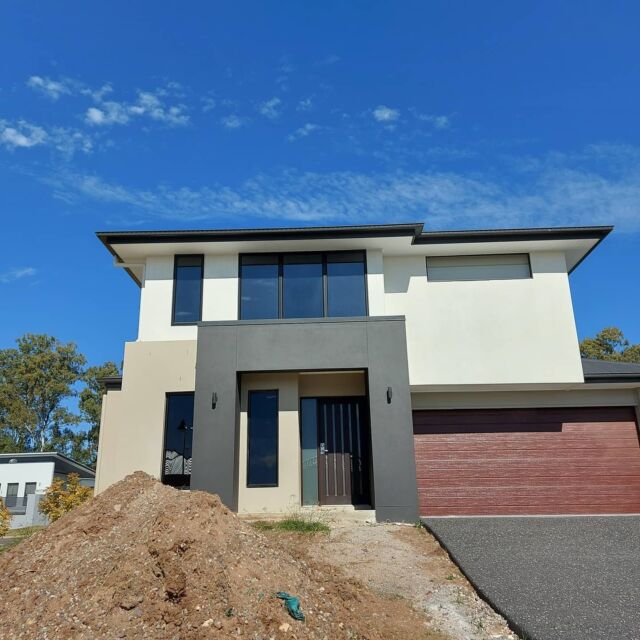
5, 519
91, 406
36, 379
610, 344
63, 496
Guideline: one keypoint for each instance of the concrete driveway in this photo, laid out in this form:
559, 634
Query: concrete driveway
567, 578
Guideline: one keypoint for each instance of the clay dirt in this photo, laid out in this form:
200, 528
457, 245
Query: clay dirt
143, 560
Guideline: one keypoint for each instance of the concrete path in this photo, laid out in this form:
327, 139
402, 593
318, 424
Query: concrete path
567, 578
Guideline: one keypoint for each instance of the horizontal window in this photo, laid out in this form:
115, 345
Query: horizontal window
486, 267
187, 289
303, 285
262, 454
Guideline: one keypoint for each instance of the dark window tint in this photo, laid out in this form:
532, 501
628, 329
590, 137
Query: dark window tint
12, 494
187, 292
302, 286
346, 288
29, 488
178, 436
262, 467
258, 288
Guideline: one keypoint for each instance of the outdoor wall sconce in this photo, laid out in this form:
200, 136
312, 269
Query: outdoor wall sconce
214, 400
389, 394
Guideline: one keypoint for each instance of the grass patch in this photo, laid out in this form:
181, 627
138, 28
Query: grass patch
15, 536
295, 525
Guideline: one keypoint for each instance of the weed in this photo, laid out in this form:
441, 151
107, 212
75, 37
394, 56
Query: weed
292, 524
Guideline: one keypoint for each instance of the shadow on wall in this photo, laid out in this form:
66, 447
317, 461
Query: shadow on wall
399, 271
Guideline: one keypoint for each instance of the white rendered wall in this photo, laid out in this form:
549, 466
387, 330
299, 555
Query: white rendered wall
23, 472
486, 332
219, 296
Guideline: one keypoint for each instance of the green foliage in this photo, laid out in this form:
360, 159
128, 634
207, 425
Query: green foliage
38, 378
62, 497
295, 525
5, 519
610, 344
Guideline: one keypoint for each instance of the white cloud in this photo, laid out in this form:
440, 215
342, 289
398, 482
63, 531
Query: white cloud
385, 114
330, 59
208, 104
148, 104
305, 105
21, 135
438, 122
233, 121
25, 135
51, 88
303, 131
271, 108
16, 273
599, 186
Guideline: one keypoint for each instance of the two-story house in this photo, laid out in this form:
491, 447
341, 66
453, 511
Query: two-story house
417, 373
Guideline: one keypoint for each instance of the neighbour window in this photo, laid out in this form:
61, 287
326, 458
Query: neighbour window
12, 494
187, 289
485, 267
303, 285
29, 488
178, 437
262, 454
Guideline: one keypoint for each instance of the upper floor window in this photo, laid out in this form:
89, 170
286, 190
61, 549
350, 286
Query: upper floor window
303, 285
187, 289
484, 267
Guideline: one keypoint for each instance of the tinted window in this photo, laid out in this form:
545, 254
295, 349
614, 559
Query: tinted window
302, 286
29, 488
309, 449
178, 436
346, 288
187, 295
258, 288
262, 465
491, 267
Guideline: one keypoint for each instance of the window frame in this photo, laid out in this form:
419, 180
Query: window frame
474, 255
164, 431
277, 482
279, 257
176, 256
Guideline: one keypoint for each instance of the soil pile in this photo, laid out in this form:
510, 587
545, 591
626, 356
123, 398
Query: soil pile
143, 560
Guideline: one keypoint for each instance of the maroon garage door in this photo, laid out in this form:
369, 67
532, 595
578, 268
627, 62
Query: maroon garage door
527, 461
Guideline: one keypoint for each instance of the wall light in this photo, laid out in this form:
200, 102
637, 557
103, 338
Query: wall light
214, 400
389, 394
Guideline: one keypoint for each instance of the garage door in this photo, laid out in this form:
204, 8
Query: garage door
527, 461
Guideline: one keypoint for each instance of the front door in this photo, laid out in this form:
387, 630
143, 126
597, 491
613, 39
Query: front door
343, 451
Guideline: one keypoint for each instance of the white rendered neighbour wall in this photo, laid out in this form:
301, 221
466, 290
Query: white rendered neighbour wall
219, 296
486, 332
22, 472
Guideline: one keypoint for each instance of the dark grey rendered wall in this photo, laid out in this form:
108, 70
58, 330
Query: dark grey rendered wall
377, 344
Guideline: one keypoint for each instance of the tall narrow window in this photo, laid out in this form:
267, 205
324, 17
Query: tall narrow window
262, 455
302, 295
178, 438
259, 287
12, 494
187, 289
309, 450
346, 288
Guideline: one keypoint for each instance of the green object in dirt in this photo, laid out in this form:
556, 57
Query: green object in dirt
292, 603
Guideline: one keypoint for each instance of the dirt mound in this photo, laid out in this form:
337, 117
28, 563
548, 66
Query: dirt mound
143, 560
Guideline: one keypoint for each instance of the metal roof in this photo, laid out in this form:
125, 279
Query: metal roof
610, 371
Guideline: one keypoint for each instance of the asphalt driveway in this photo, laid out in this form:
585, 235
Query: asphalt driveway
572, 578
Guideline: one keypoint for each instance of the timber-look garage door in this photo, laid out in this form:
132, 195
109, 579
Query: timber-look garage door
527, 461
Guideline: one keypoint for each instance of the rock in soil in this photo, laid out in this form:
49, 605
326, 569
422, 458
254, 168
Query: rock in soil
143, 560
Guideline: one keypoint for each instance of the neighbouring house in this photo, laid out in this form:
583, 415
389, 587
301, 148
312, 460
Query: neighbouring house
411, 372
25, 478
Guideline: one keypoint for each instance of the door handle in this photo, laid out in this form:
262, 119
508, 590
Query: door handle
323, 448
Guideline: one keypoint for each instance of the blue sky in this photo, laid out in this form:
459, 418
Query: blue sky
121, 115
